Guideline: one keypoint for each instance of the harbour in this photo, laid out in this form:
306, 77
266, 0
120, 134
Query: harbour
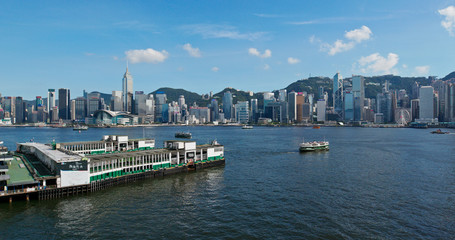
372, 183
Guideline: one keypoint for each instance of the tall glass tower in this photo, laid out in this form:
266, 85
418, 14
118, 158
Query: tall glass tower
227, 105
338, 93
127, 89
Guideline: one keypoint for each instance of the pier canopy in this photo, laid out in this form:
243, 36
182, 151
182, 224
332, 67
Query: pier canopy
112, 117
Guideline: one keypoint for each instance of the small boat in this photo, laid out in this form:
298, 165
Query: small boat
80, 128
314, 146
247, 127
183, 135
316, 127
439, 131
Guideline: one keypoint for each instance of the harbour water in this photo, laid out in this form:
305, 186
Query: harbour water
373, 183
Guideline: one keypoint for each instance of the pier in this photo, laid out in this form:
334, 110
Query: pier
65, 169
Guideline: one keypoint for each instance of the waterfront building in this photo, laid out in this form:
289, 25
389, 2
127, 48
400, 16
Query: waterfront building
426, 104
348, 106
160, 108
338, 94
300, 100
277, 111
358, 92
214, 110
201, 114
415, 90
139, 103
307, 112
292, 106
242, 112
181, 100
127, 90
93, 103
38, 102
51, 99
227, 105
80, 108
19, 110
414, 109
254, 110
117, 101
54, 115
73, 110
282, 95
321, 92
64, 101
321, 110
269, 97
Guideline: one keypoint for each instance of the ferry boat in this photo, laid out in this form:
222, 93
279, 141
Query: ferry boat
183, 135
80, 128
316, 127
247, 127
314, 146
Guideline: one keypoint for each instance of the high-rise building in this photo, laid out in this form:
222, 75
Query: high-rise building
38, 102
426, 103
348, 106
80, 108
93, 103
321, 109
277, 111
292, 106
254, 110
214, 110
299, 101
73, 110
140, 103
338, 94
282, 95
19, 111
160, 106
117, 101
358, 91
127, 90
242, 112
64, 101
227, 105
414, 109
181, 100
50, 99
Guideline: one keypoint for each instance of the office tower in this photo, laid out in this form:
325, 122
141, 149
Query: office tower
348, 106
150, 107
254, 110
227, 105
415, 90
80, 108
321, 107
127, 90
307, 112
358, 91
268, 98
277, 111
338, 94
292, 106
139, 103
214, 110
73, 110
117, 101
50, 99
242, 112
181, 100
450, 106
64, 101
426, 103
19, 111
160, 106
93, 103
38, 102
54, 115
282, 95
321, 92
299, 101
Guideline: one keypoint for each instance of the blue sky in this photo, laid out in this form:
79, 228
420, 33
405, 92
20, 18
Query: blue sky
205, 46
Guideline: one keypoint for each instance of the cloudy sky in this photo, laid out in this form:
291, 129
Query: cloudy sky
205, 46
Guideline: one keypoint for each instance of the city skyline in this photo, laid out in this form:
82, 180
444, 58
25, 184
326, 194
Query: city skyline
249, 46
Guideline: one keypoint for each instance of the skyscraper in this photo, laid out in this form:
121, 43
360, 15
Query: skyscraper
64, 102
292, 106
358, 91
50, 99
242, 112
127, 89
117, 101
254, 110
426, 103
338, 94
227, 105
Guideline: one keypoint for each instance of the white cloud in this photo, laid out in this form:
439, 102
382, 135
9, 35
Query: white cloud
359, 35
215, 69
375, 63
89, 54
222, 31
148, 55
180, 69
266, 67
337, 47
194, 52
353, 37
449, 22
404, 66
253, 51
292, 60
422, 70
115, 58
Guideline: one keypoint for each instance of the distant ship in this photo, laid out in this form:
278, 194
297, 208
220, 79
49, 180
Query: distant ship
247, 127
439, 131
80, 128
316, 127
183, 135
314, 146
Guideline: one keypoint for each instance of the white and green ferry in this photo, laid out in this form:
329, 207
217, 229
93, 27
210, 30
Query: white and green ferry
314, 146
